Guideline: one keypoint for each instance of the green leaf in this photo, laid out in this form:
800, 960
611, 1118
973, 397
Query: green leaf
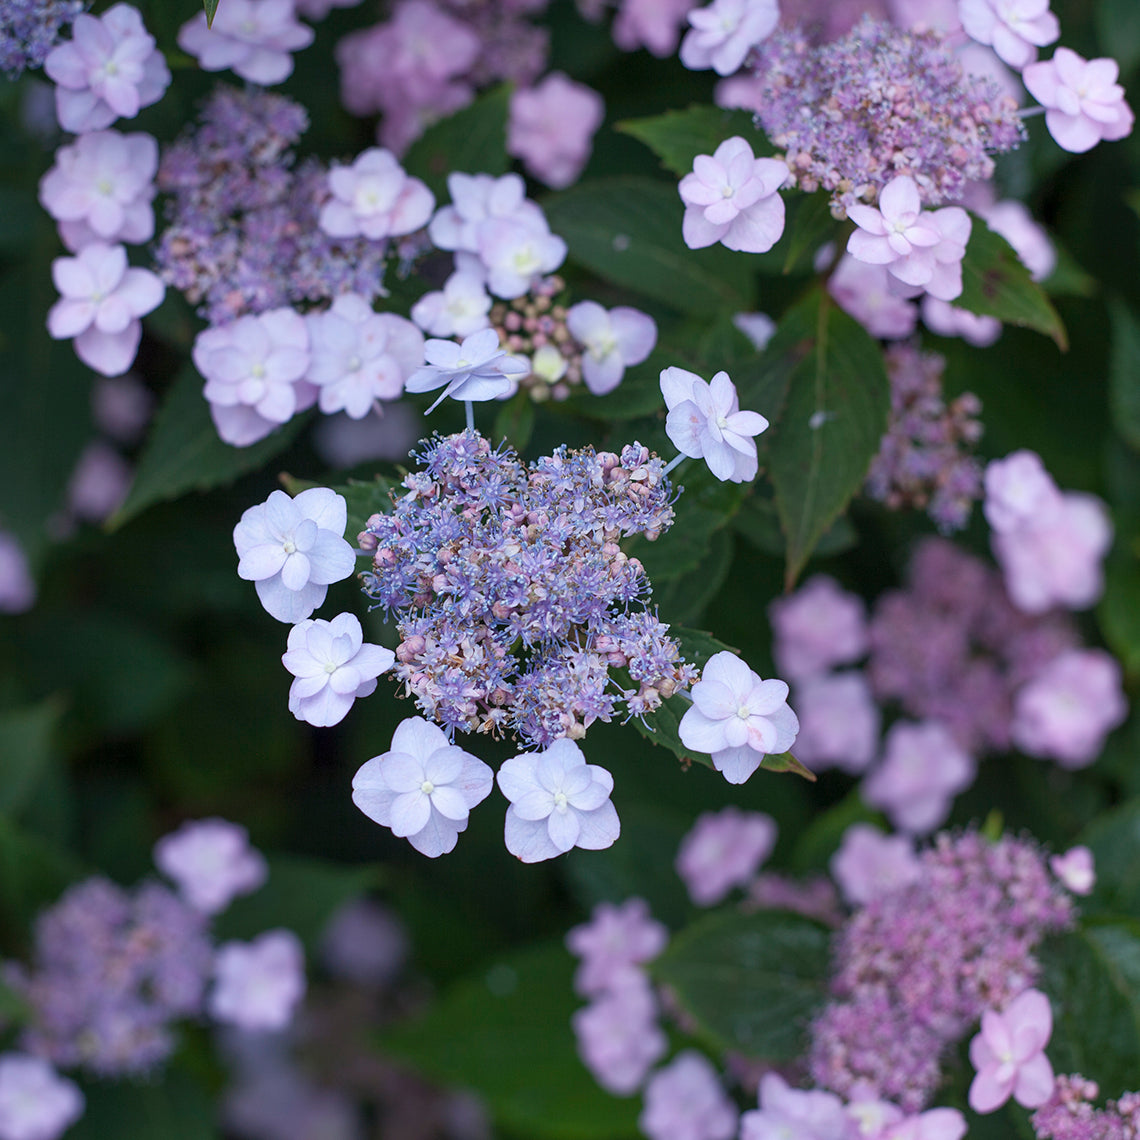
628, 231
184, 452
749, 982
759, 523
677, 137
171, 1106
515, 421
1119, 610
301, 894
684, 598
1091, 977
810, 226
33, 874
471, 141
995, 283
25, 751
815, 845
786, 762
1124, 372
831, 424
505, 1033
1118, 30
1115, 842
210, 7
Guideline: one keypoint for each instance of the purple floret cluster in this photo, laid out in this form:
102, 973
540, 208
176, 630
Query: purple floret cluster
111, 970
923, 461
514, 600
878, 103
243, 234
1070, 1115
916, 967
952, 647
29, 29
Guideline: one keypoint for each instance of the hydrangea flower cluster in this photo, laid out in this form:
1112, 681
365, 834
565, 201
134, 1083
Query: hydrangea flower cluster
428, 58
512, 596
1069, 1113
29, 29
880, 102
243, 234
916, 967
923, 461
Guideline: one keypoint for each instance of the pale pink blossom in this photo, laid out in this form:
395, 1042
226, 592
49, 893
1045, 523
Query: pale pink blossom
1083, 101
923, 769
459, 309
686, 1100
948, 320
332, 667
722, 35
294, 550
258, 984
359, 356
870, 864
705, 422
759, 328
480, 198
1009, 1055
863, 291
722, 850
423, 787
732, 197
839, 722
615, 940
36, 1103
788, 1112
365, 943
613, 340
819, 626
99, 483
517, 255
1065, 712
737, 718
375, 198
1015, 29
1076, 870
558, 802
101, 303
651, 24
254, 370
212, 862
17, 586
1056, 559
551, 128
1019, 491
252, 38
618, 1036
922, 249
110, 69
1013, 221
934, 1124
101, 188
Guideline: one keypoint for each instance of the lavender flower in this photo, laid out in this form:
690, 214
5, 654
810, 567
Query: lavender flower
111, 970
513, 598
854, 113
915, 968
1070, 1115
29, 29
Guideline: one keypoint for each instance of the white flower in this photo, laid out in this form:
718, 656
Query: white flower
293, 549
423, 788
375, 198
517, 254
558, 801
725, 32
36, 1103
477, 198
460, 309
332, 667
613, 341
705, 422
258, 984
360, 356
212, 863
737, 718
477, 369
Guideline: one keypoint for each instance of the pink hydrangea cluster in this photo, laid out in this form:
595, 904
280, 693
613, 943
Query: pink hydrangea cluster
723, 850
110, 68
821, 103
551, 128
428, 58
1050, 544
925, 460
1069, 1113
916, 967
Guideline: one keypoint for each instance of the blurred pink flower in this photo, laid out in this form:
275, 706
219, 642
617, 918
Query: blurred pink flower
551, 128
